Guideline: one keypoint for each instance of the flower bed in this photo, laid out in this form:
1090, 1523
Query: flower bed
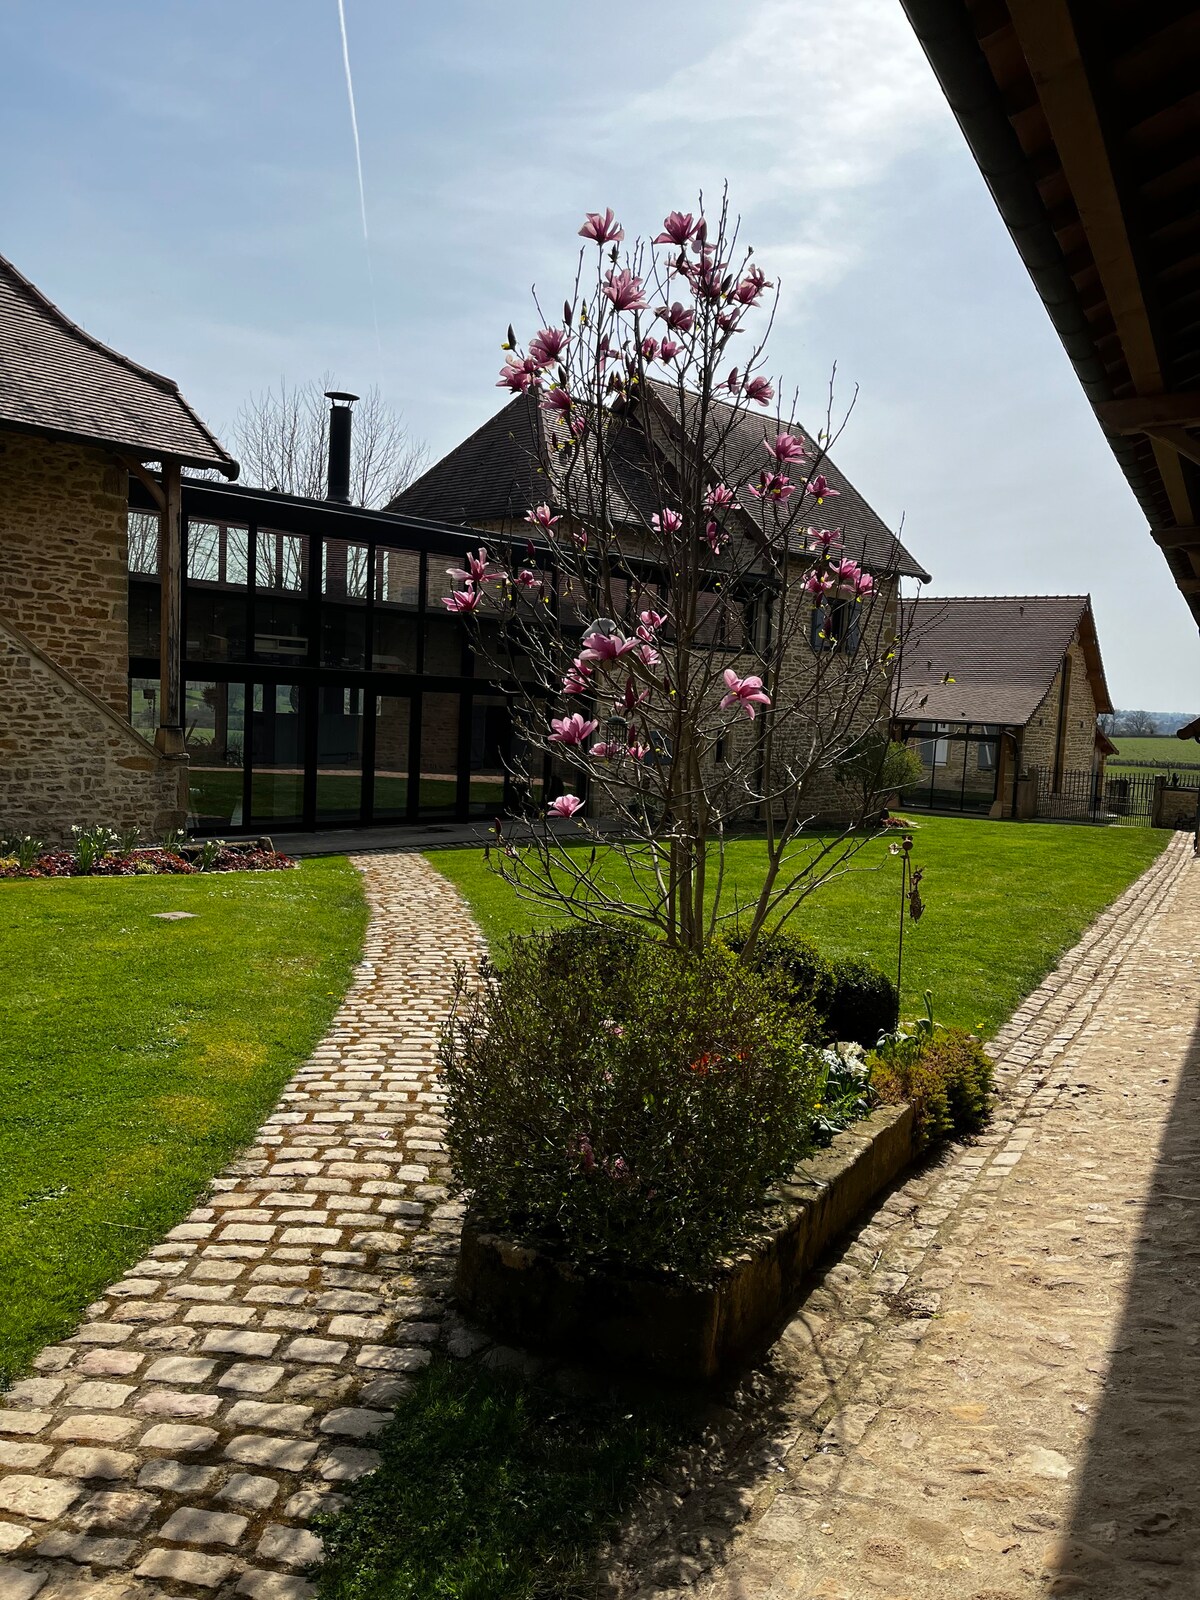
155, 860
660, 1322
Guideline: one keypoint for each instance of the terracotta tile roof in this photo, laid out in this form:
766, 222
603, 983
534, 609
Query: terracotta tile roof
1000, 651
494, 475
57, 379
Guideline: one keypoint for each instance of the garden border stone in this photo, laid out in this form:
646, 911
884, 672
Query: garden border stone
690, 1333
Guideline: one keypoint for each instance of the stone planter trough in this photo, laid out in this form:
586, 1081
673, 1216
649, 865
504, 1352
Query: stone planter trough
685, 1332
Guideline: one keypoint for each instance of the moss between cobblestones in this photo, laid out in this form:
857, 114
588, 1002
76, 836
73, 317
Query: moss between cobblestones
136, 1056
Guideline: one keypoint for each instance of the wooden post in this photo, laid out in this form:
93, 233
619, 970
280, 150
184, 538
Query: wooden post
169, 737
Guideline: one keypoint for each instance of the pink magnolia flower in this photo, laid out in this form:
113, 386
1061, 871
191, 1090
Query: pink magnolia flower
565, 806
571, 730
818, 585
666, 521
649, 349
518, 374
717, 540
744, 692
558, 400
632, 698
785, 447
773, 486
603, 229
575, 680
624, 290
678, 228
463, 600
651, 621
823, 539
668, 349
676, 317
477, 571
750, 289
846, 570
733, 382
546, 347
647, 654
606, 648
527, 579
606, 752
864, 584
819, 486
759, 389
718, 497
728, 321
639, 752
540, 517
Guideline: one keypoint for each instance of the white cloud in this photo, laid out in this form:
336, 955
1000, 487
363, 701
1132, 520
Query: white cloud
811, 105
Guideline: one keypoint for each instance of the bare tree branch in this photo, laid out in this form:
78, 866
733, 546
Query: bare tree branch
281, 438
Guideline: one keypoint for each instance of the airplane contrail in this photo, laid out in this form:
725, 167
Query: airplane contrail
362, 191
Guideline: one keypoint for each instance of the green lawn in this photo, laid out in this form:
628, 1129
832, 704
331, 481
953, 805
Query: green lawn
1003, 899
1167, 753
137, 1056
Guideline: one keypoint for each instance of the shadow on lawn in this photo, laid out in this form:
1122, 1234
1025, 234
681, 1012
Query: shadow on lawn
532, 1482
496, 1485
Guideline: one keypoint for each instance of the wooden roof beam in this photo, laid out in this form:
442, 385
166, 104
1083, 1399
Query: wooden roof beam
1047, 37
1176, 538
1150, 414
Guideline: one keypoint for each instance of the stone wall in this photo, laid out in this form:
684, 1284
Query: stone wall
63, 579
1038, 744
66, 757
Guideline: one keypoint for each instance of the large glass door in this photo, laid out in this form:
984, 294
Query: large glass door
393, 724
277, 752
339, 777
215, 740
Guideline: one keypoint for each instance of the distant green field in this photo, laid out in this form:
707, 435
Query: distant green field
1165, 751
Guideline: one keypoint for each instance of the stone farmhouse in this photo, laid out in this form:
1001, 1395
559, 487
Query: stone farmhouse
1000, 696
182, 651
491, 478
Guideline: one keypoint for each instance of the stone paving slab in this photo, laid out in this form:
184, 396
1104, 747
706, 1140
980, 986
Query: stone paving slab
993, 1391
179, 1441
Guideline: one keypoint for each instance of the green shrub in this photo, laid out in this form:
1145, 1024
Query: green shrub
796, 972
863, 1002
945, 1074
850, 999
623, 1101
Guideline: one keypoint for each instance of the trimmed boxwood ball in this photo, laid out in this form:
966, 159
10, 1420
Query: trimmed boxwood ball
849, 999
863, 1002
622, 1102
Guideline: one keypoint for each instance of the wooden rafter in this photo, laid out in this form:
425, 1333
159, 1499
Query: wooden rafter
1046, 34
1150, 415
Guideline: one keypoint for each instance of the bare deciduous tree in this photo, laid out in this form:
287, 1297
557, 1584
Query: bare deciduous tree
281, 439
1137, 725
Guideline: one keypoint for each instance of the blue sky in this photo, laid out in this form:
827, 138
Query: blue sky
181, 181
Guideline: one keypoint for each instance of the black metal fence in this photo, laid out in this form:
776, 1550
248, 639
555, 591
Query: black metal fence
1126, 798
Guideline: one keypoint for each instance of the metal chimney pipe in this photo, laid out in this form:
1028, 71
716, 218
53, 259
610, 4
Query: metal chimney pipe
340, 417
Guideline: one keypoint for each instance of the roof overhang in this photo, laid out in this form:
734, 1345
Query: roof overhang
1085, 123
139, 451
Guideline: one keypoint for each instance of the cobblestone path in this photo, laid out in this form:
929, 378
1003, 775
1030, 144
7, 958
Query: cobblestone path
994, 1391
179, 1441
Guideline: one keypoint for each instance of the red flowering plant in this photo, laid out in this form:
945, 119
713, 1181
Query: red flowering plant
691, 652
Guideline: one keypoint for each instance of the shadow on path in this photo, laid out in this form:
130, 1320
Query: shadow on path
1135, 1526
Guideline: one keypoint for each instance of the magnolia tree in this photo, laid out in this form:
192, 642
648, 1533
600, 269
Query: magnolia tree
698, 656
